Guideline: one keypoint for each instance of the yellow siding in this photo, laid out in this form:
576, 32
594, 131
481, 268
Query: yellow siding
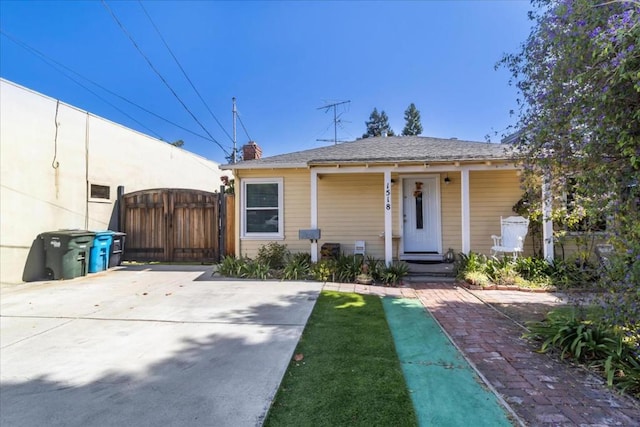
351, 207
451, 213
492, 194
297, 207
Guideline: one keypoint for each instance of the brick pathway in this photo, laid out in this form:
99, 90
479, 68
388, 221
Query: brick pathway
540, 390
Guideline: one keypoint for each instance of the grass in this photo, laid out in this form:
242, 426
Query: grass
350, 373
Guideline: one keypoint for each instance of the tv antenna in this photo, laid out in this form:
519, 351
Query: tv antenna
335, 120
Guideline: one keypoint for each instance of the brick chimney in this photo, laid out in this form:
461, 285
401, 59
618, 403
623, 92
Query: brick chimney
251, 151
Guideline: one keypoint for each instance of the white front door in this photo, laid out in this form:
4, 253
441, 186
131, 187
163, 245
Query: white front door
421, 215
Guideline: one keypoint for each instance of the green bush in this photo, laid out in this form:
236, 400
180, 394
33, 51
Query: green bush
254, 269
323, 271
467, 263
394, 273
231, 266
298, 267
595, 344
477, 278
274, 255
347, 268
375, 268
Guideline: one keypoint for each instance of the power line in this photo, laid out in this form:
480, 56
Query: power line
184, 73
244, 128
47, 61
50, 62
124, 30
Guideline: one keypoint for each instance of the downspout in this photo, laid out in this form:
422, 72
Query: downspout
86, 173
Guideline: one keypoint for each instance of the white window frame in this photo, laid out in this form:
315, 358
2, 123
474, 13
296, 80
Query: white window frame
243, 217
98, 199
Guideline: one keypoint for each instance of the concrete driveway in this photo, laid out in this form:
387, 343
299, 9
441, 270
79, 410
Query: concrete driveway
147, 346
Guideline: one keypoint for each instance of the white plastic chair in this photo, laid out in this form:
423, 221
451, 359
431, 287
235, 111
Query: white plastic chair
514, 230
359, 248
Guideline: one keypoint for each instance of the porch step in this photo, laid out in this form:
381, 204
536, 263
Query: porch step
412, 279
438, 270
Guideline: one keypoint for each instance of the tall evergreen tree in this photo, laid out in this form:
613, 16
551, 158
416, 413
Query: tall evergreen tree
412, 121
377, 124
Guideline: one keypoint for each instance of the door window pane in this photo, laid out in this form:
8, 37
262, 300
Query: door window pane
419, 212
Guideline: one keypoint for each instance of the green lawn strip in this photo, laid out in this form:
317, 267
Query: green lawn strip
350, 374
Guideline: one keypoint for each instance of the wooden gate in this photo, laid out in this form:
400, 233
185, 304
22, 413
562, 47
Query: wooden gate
172, 225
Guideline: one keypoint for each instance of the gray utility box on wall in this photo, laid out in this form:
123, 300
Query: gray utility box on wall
311, 234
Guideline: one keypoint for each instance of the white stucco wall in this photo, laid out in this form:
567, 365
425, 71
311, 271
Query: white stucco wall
35, 196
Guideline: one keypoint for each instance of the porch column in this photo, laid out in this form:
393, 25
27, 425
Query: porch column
466, 211
547, 223
314, 213
388, 231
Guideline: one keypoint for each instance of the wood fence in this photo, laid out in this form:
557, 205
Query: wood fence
176, 225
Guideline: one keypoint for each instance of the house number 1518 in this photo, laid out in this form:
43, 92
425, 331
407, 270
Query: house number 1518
387, 195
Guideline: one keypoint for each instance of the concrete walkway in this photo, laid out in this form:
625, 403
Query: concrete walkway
540, 390
147, 346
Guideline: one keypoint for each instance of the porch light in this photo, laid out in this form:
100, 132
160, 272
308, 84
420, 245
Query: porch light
447, 180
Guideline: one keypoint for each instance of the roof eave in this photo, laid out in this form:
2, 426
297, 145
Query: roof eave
263, 165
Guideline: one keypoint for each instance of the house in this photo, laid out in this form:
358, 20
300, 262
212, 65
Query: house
61, 168
407, 197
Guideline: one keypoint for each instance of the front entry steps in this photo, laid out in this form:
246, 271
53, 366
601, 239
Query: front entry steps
429, 272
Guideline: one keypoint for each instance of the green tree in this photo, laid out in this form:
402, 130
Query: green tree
412, 121
377, 124
578, 74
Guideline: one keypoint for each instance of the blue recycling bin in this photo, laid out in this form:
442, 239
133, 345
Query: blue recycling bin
99, 253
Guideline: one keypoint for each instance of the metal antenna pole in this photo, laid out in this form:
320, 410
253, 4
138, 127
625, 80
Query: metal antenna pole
335, 119
235, 113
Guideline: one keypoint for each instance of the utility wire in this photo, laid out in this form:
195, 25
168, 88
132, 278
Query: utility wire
47, 61
243, 127
184, 73
124, 30
50, 61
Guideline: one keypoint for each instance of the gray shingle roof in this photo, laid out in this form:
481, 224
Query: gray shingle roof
384, 150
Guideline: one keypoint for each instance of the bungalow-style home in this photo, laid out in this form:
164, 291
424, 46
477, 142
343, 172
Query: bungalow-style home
405, 197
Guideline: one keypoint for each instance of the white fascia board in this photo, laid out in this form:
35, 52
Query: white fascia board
415, 168
265, 166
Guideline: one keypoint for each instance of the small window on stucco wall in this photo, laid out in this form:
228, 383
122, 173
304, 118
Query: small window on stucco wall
100, 192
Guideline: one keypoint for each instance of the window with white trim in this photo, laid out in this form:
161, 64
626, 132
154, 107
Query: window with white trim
100, 192
262, 203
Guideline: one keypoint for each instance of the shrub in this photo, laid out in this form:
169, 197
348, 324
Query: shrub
347, 268
394, 273
466, 263
595, 344
323, 270
375, 268
298, 267
255, 269
273, 255
477, 278
231, 266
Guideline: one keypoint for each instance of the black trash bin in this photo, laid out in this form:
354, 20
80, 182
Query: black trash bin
67, 253
117, 249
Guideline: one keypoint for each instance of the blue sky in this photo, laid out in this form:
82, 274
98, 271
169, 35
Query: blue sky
281, 60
